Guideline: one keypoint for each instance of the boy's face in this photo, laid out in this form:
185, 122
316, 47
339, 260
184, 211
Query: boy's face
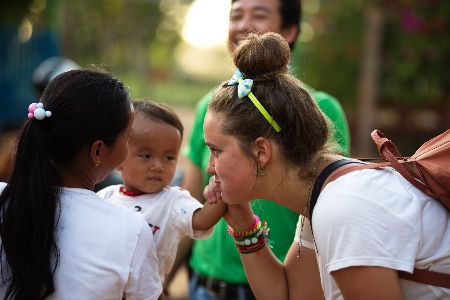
152, 155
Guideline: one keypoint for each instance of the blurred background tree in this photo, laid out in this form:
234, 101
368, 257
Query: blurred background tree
410, 88
415, 47
385, 60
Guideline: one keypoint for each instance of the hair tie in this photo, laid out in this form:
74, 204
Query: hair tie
245, 89
37, 111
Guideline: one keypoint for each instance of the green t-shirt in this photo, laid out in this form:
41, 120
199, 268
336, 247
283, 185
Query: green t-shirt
217, 256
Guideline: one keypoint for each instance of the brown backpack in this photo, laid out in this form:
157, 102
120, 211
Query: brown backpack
428, 170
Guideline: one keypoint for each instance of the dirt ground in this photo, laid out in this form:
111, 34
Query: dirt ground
178, 289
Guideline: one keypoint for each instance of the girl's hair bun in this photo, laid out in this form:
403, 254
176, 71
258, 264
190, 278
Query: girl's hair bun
261, 55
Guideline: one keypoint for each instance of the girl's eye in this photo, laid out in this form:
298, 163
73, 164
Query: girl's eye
214, 151
170, 158
145, 156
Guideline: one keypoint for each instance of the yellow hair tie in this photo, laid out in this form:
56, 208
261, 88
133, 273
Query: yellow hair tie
245, 89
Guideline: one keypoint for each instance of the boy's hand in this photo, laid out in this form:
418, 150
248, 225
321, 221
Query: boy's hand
212, 192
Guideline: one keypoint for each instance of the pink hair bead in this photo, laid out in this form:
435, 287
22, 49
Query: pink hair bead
37, 111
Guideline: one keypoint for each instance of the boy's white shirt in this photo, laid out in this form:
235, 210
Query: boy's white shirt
169, 215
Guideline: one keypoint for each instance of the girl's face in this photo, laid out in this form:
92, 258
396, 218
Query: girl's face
118, 151
233, 170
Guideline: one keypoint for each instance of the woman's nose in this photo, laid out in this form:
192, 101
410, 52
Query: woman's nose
210, 169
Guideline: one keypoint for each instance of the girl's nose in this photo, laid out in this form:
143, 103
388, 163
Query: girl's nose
210, 169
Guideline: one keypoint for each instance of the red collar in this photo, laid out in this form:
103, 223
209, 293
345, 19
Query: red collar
123, 191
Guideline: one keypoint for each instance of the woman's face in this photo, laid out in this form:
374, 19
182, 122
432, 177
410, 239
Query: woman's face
233, 170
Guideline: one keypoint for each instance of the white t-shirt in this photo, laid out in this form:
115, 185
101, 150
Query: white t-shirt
169, 214
106, 252
377, 218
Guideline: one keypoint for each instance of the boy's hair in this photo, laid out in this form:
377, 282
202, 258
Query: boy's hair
158, 112
86, 106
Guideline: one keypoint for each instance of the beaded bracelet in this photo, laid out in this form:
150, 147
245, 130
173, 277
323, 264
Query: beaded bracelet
256, 225
253, 239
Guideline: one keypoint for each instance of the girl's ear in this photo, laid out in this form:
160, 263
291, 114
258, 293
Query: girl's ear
119, 168
262, 151
97, 152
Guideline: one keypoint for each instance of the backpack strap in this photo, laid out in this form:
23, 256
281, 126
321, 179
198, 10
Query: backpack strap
388, 151
426, 277
345, 166
323, 176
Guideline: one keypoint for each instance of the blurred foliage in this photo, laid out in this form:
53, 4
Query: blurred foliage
116, 32
134, 39
415, 50
177, 91
137, 38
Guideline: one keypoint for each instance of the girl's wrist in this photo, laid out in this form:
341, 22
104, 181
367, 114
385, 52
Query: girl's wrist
253, 238
238, 232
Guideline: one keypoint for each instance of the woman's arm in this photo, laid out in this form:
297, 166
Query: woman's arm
303, 274
297, 278
368, 283
266, 275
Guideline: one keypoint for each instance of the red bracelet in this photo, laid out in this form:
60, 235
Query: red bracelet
252, 239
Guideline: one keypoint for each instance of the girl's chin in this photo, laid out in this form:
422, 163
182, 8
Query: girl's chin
231, 201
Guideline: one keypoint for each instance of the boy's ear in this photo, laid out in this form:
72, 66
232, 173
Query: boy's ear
262, 150
120, 168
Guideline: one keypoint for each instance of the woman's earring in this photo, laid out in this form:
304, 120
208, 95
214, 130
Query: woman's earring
97, 163
261, 171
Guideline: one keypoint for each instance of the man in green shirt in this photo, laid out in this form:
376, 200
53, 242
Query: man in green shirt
215, 262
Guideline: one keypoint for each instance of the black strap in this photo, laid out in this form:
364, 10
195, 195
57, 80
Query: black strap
317, 188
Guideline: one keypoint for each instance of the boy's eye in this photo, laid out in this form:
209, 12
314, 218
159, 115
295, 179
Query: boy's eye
144, 156
170, 157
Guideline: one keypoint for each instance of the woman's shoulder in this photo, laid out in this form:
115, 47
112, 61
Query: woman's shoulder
76, 202
372, 183
383, 193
